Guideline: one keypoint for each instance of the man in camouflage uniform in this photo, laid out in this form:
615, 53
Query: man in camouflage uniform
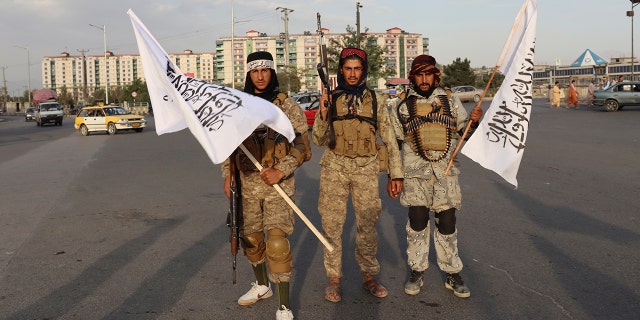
262, 207
428, 121
349, 129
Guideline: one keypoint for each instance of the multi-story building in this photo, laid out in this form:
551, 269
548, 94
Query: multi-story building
303, 53
81, 75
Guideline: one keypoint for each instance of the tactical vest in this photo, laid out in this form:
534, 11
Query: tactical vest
355, 132
265, 144
429, 127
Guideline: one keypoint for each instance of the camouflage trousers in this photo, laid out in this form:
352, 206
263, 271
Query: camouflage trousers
446, 249
264, 209
335, 187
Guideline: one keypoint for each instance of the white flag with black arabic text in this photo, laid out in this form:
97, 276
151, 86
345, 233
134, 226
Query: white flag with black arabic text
499, 142
219, 117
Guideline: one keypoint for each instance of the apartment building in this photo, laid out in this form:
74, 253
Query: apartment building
227, 65
73, 71
303, 53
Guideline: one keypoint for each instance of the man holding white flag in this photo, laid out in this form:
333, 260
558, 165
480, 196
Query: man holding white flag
262, 207
221, 119
499, 142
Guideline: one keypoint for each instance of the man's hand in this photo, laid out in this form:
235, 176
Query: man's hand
476, 114
227, 187
394, 187
324, 106
271, 176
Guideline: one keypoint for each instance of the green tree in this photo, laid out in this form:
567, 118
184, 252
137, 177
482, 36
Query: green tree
458, 73
290, 79
375, 54
64, 96
496, 82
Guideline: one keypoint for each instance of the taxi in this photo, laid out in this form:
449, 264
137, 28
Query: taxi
107, 118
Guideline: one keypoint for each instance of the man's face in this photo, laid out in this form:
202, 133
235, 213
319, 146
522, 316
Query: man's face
261, 77
425, 81
351, 71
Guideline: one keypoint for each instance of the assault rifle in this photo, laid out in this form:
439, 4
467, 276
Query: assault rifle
323, 73
235, 212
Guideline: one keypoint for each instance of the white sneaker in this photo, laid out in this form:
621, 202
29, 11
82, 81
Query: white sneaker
254, 294
284, 314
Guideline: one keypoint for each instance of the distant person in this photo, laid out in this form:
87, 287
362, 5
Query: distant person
591, 93
555, 95
620, 79
605, 83
573, 96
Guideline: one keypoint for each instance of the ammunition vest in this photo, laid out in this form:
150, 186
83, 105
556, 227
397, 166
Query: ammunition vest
429, 127
355, 131
265, 144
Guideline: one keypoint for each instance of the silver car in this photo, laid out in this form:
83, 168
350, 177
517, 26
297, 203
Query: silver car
467, 93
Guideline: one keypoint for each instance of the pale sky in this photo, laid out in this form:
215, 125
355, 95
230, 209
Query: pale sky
472, 29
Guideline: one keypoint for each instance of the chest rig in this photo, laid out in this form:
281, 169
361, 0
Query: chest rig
265, 144
429, 126
355, 128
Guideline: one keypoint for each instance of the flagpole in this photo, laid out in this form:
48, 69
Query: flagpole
290, 202
468, 126
505, 49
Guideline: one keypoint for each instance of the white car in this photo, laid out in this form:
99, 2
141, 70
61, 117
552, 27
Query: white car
467, 93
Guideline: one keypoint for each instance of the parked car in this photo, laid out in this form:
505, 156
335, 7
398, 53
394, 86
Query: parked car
305, 99
30, 114
107, 118
618, 96
467, 93
311, 111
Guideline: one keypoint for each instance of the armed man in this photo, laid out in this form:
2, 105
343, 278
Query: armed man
263, 209
348, 124
428, 121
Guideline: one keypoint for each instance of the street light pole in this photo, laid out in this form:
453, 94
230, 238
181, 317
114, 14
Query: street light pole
631, 14
358, 6
28, 72
106, 71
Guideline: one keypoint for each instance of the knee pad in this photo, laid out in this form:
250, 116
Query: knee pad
418, 218
278, 251
254, 247
446, 221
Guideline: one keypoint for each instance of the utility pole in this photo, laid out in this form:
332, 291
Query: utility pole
4, 91
286, 44
358, 6
85, 94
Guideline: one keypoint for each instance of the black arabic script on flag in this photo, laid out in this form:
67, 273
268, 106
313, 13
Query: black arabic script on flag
510, 123
212, 103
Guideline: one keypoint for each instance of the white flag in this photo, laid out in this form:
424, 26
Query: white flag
219, 117
499, 141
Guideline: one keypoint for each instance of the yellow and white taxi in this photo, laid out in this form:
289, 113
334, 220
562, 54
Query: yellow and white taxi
107, 118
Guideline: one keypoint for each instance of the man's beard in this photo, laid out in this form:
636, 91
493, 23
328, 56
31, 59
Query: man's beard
425, 93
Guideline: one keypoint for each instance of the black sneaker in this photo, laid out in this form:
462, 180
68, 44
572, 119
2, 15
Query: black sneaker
454, 283
413, 285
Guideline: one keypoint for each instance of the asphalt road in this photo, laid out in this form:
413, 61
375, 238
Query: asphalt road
132, 226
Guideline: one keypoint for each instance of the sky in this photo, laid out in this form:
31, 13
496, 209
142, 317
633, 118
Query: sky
471, 29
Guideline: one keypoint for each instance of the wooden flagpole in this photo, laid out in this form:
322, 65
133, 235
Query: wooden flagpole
290, 202
469, 123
